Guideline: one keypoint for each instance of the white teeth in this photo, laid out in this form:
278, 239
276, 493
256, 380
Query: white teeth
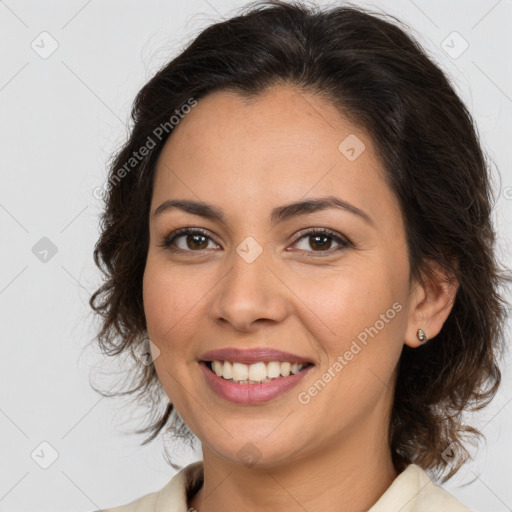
285, 369
258, 371
217, 367
273, 369
295, 368
240, 371
227, 371
255, 373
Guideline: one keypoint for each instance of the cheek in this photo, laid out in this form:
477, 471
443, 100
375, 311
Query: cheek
358, 324
352, 299
171, 299
360, 348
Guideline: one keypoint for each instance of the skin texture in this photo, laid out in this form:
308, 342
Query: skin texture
247, 157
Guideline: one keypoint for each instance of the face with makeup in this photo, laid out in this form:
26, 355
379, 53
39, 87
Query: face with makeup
292, 242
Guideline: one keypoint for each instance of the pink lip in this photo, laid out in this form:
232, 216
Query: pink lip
251, 393
253, 355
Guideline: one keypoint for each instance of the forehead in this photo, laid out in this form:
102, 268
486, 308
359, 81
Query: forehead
280, 146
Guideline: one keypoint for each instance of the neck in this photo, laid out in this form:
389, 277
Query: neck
349, 473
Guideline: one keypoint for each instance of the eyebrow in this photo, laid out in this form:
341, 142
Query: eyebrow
279, 214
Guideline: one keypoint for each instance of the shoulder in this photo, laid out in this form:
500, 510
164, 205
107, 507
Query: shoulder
173, 497
414, 491
145, 503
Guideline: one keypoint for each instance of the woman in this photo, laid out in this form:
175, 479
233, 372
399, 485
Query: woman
298, 230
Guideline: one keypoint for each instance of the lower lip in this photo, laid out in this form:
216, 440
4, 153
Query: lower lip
251, 393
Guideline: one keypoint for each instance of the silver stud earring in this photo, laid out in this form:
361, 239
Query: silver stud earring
422, 336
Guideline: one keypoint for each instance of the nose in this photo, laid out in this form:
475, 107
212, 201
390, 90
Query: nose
249, 295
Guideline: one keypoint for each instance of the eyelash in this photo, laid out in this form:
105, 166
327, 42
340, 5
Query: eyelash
167, 240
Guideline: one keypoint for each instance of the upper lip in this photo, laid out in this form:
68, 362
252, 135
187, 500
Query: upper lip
253, 355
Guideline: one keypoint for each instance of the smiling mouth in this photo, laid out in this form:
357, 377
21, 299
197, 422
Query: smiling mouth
256, 373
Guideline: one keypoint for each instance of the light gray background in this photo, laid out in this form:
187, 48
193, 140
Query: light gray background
61, 118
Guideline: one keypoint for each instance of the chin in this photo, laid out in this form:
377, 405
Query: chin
254, 451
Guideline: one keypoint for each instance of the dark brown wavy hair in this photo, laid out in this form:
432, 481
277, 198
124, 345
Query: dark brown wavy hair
378, 76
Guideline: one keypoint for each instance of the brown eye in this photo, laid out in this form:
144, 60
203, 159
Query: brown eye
187, 240
321, 241
194, 241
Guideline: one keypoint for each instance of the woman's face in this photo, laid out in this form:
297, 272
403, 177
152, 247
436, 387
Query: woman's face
254, 280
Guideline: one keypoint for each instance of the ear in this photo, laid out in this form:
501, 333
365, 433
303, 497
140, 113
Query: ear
430, 304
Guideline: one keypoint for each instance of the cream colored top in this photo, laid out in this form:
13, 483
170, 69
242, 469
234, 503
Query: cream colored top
411, 491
